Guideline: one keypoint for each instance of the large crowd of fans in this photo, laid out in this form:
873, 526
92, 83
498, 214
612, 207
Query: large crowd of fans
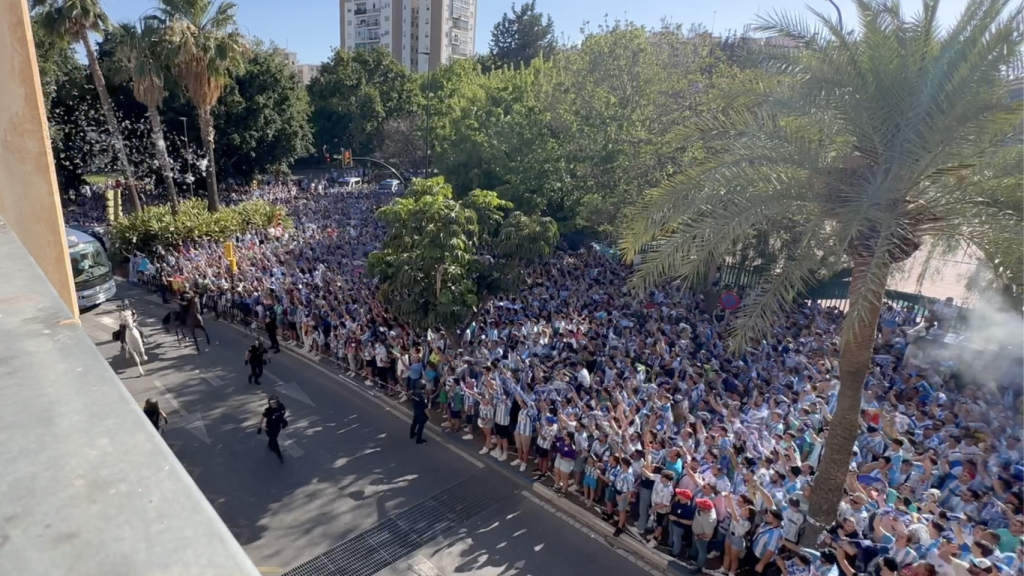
637, 405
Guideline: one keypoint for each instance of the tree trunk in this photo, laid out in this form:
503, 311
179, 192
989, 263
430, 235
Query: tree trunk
854, 363
108, 113
206, 131
160, 147
711, 292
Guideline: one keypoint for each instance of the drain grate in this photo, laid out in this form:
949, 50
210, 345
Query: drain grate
389, 541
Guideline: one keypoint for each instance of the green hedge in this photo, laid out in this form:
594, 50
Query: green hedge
156, 227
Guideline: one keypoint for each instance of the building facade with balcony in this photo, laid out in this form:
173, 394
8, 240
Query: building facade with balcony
306, 72
421, 34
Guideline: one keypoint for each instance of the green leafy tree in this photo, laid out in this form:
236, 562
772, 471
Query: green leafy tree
354, 94
56, 60
205, 48
880, 140
73, 21
425, 265
526, 238
262, 119
139, 58
441, 255
521, 37
489, 208
575, 138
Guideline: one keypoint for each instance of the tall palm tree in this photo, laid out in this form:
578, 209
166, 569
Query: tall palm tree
73, 20
139, 57
206, 47
873, 142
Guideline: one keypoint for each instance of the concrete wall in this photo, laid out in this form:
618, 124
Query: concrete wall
29, 201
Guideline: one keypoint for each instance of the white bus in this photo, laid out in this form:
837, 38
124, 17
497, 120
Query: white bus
93, 274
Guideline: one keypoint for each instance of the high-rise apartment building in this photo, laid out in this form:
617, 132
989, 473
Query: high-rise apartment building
421, 34
306, 72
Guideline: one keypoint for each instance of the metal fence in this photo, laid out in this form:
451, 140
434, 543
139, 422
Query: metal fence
836, 292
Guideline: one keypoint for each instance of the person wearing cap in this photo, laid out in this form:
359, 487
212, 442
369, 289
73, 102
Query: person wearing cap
273, 421
681, 520
704, 524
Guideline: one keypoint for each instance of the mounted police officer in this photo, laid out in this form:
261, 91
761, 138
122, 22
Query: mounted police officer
125, 312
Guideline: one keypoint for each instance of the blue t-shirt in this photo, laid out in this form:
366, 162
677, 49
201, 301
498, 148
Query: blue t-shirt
676, 467
416, 370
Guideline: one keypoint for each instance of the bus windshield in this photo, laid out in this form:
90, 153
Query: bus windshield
88, 262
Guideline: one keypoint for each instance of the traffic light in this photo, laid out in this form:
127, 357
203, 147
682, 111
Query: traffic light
229, 250
113, 201
346, 158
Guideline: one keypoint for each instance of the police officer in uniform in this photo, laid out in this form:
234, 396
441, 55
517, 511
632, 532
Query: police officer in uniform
419, 413
273, 421
271, 327
256, 357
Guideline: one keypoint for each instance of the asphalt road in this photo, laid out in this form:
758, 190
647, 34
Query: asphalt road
350, 469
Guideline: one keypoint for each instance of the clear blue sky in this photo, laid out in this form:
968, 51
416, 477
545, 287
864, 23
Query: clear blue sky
310, 27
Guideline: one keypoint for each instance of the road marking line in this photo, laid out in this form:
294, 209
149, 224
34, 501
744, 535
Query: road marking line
167, 394
191, 422
108, 321
395, 409
292, 389
289, 445
211, 379
94, 332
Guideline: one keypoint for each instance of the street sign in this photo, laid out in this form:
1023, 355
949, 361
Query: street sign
729, 300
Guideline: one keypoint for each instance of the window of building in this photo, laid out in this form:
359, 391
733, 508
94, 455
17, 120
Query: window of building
387, 18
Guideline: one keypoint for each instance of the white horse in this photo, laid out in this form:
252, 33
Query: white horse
133, 340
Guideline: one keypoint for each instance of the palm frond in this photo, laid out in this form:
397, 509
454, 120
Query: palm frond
775, 294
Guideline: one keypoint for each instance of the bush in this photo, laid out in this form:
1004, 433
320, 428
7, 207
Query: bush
155, 226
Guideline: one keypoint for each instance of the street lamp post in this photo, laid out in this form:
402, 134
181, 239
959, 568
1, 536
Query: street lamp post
426, 120
838, 12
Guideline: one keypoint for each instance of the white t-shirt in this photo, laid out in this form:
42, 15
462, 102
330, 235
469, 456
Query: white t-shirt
583, 377
739, 527
662, 493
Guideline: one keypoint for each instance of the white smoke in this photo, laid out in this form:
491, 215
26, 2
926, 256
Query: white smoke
984, 347
993, 344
